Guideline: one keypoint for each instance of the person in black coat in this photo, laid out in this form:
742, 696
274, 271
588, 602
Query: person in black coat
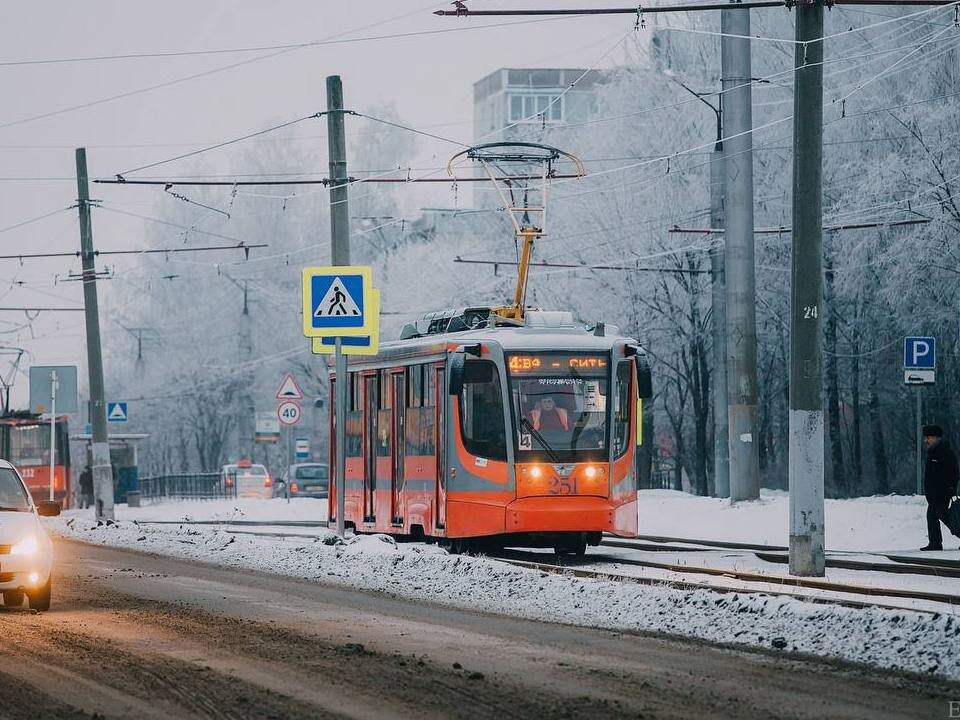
86, 488
939, 483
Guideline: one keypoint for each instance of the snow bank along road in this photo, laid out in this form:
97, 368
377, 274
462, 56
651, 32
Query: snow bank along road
135, 635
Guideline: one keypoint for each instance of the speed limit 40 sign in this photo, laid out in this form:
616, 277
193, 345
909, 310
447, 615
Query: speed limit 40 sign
289, 413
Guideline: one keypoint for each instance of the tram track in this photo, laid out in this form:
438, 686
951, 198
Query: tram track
514, 558
693, 585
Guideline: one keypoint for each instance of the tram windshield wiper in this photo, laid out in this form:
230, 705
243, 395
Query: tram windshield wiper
546, 446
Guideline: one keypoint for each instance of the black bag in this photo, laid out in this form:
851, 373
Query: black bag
952, 518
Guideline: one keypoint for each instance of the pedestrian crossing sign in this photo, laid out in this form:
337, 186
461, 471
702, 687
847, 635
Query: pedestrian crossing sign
337, 302
117, 412
354, 344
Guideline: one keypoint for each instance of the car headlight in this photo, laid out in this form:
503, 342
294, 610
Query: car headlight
27, 546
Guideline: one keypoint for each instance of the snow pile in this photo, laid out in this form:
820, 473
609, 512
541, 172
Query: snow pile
903, 640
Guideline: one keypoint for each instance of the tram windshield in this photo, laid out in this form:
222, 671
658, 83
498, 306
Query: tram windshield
560, 406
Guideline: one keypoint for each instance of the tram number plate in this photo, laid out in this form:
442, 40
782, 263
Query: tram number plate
562, 486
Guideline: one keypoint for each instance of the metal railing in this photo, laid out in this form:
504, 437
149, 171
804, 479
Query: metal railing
187, 486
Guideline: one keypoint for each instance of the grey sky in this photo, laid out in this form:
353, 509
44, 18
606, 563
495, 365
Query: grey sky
429, 78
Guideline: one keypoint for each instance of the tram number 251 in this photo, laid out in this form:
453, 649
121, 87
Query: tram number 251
562, 486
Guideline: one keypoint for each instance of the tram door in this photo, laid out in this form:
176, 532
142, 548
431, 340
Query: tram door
440, 387
369, 447
396, 481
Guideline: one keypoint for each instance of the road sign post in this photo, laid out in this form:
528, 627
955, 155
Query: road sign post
919, 368
53, 428
341, 314
340, 418
919, 442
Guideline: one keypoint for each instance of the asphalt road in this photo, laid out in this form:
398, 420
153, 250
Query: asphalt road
132, 635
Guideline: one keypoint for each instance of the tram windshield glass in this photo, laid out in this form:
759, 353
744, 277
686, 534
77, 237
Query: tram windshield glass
560, 406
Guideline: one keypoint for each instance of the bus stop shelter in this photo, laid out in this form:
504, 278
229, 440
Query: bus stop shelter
123, 460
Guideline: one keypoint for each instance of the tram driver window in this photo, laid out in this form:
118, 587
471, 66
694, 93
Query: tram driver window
481, 411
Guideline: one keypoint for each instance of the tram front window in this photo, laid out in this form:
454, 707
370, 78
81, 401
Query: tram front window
560, 406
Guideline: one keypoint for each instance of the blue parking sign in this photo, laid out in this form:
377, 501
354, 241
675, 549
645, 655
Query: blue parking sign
919, 353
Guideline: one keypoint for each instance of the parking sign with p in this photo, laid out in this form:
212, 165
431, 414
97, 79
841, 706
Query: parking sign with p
920, 353
919, 360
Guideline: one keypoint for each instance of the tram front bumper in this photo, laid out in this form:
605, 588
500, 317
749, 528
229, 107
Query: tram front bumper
561, 513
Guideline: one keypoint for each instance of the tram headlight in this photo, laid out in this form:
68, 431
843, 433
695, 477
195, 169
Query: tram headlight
536, 472
590, 472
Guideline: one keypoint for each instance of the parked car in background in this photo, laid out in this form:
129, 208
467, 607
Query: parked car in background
26, 553
306, 480
249, 479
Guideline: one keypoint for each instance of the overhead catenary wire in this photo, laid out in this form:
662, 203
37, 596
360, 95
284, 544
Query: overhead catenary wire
38, 218
282, 46
584, 266
220, 69
225, 143
138, 251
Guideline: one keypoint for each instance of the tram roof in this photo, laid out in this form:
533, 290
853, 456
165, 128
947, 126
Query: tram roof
527, 337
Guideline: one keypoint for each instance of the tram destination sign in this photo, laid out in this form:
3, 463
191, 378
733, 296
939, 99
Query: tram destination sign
565, 364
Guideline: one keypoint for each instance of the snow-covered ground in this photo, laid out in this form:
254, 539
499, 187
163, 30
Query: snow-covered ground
892, 523
903, 639
227, 510
882, 523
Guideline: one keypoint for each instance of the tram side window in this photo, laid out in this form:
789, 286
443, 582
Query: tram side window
418, 420
621, 411
354, 422
384, 415
481, 411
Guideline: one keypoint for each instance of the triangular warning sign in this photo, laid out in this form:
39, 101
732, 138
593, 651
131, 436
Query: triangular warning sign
289, 390
117, 413
337, 302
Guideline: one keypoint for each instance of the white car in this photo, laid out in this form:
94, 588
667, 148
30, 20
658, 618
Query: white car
26, 553
249, 479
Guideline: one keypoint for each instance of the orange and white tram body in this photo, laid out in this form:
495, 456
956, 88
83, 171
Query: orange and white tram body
503, 434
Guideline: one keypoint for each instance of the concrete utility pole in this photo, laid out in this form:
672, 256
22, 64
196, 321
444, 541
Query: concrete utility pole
739, 270
806, 300
340, 253
102, 473
339, 213
721, 448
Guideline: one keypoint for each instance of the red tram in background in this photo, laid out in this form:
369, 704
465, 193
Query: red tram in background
479, 431
25, 442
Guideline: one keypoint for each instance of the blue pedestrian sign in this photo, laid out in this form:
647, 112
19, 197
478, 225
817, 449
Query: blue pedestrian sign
919, 353
116, 412
337, 301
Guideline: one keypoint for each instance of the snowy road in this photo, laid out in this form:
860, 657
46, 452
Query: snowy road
132, 635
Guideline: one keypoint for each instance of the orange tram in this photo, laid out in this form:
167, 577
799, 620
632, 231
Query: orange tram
479, 431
